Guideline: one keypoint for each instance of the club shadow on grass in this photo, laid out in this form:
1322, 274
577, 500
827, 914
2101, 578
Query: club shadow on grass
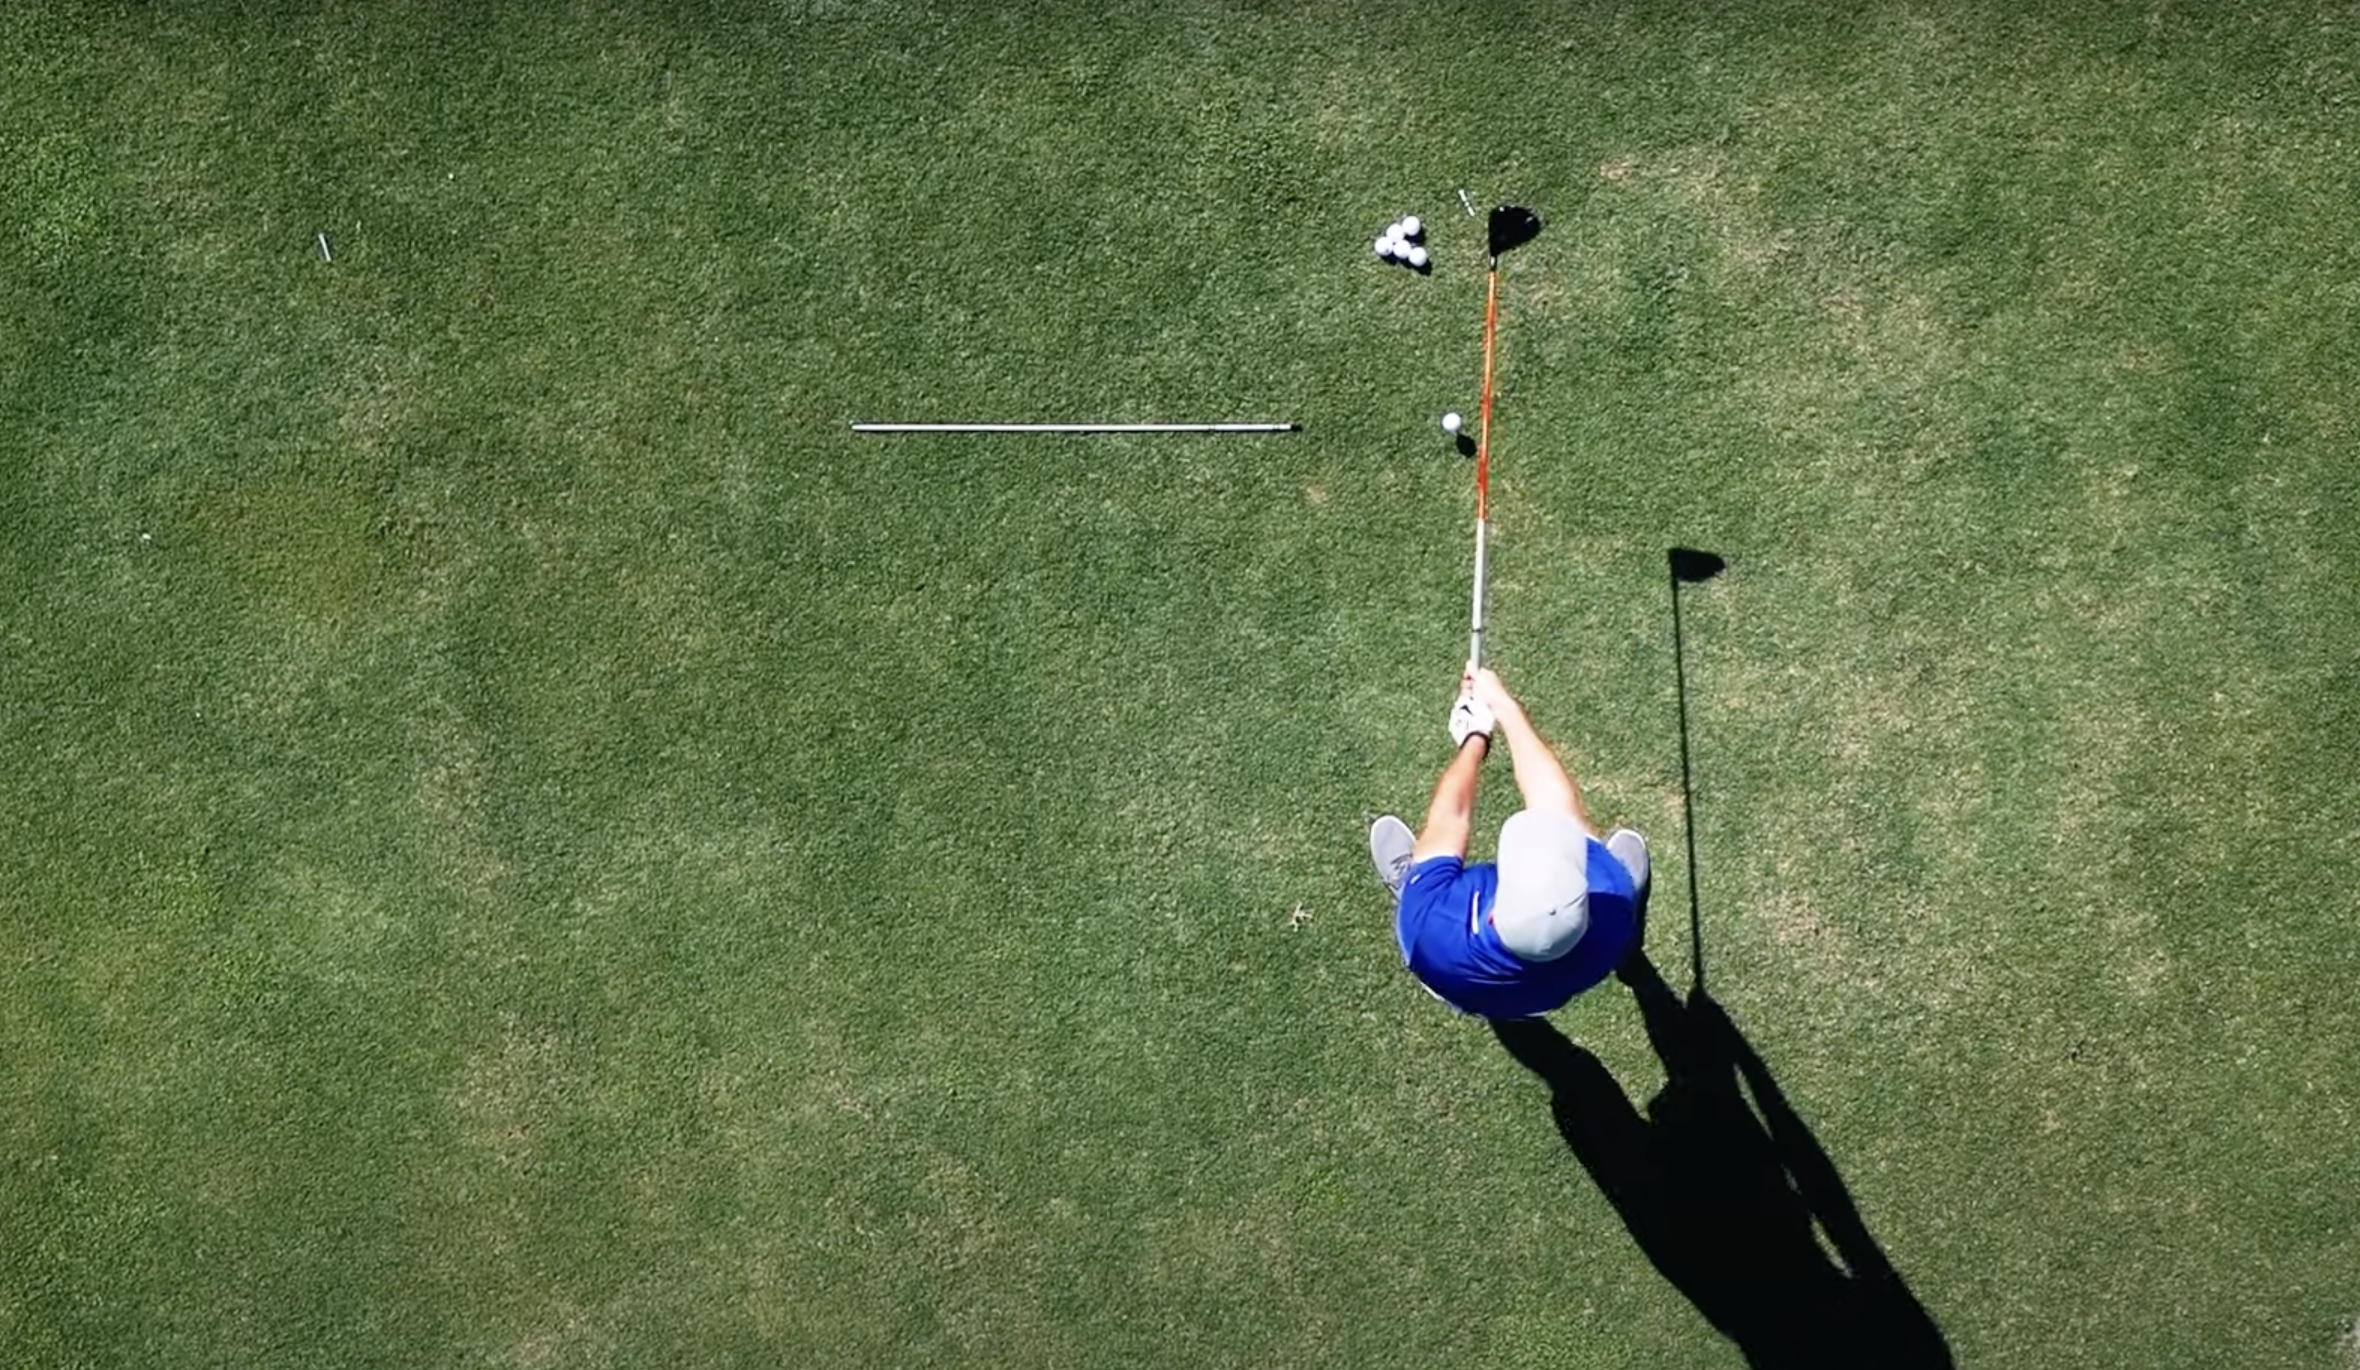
1728, 1193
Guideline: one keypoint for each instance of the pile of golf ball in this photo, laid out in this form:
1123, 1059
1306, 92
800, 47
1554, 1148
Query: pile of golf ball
1401, 242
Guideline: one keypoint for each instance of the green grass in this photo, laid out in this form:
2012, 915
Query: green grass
522, 842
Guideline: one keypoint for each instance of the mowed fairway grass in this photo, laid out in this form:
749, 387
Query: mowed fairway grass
524, 842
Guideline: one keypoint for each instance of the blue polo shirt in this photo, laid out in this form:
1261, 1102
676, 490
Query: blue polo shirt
1448, 942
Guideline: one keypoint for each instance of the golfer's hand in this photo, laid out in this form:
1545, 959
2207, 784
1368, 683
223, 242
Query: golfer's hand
1484, 687
1469, 717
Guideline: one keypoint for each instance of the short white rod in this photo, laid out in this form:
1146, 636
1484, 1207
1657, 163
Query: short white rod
1073, 427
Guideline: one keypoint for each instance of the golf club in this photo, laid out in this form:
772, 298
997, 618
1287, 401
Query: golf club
1511, 226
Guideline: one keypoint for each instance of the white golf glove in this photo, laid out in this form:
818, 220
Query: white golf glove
1467, 718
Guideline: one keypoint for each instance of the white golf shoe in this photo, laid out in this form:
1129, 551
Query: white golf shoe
1631, 849
1389, 846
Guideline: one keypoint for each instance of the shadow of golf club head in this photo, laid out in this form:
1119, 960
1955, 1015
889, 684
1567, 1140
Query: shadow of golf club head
1693, 567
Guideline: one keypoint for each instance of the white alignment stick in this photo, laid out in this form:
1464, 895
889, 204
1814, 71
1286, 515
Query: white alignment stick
1074, 427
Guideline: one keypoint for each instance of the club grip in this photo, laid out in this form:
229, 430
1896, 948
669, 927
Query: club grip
1475, 635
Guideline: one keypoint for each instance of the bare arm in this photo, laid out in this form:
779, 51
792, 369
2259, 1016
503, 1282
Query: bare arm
1450, 816
1546, 785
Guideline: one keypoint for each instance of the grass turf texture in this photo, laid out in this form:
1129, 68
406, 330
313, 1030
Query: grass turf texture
525, 843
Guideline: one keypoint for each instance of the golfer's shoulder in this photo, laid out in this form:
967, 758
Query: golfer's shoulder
1444, 869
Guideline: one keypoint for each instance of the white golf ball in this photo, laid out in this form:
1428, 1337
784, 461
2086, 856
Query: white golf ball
1386, 247
1451, 422
1411, 227
1416, 256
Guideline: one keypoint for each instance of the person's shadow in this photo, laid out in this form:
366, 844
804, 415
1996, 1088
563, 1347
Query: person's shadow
1727, 1192
1720, 1182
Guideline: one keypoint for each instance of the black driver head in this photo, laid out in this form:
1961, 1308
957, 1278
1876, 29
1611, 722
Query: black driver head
1513, 226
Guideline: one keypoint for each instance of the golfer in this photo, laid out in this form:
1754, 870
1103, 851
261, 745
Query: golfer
1555, 915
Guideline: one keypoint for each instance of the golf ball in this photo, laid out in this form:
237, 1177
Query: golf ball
1416, 256
1451, 422
1386, 247
1411, 227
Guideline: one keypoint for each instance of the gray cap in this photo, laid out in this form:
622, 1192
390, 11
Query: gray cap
1543, 905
